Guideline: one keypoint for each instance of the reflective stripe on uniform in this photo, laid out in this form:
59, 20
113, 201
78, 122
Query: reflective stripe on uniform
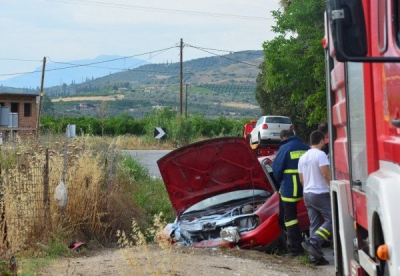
291, 171
291, 222
323, 233
324, 230
297, 154
294, 179
289, 199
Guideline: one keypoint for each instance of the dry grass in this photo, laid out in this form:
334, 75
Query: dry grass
102, 197
97, 202
240, 105
161, 263
131, 142
30, 209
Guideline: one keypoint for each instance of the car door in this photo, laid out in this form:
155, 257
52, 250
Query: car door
254, 132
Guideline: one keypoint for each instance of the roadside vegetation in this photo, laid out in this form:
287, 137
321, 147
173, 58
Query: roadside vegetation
106, 190
108, 193
180, 130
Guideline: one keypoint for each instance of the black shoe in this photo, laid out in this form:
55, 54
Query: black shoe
326, 244
311, 249
321, 261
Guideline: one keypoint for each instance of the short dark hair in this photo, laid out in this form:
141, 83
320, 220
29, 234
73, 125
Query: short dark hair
323, 127
315, 137
286, 133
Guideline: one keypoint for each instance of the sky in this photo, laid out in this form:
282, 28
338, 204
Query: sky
68, 30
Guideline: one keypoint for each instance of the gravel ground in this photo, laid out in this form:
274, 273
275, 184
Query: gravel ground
179, 261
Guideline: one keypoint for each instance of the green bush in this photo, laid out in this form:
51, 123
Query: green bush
180, 130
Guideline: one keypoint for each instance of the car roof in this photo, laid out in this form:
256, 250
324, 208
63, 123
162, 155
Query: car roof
265, 116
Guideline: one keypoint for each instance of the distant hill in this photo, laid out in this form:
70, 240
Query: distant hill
240, 67
214, 86
76, 71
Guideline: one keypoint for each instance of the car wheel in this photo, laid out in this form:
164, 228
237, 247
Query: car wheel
260, 141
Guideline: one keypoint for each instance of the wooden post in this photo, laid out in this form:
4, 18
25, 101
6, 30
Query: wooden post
40, 99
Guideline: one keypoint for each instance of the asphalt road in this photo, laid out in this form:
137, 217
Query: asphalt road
149, 159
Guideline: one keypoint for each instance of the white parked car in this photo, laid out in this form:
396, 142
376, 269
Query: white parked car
268, 129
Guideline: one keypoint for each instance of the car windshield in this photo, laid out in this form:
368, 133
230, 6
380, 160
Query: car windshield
227, 197
278, 120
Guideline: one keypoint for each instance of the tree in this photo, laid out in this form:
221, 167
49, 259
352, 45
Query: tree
47, 105
292, 80
103, 114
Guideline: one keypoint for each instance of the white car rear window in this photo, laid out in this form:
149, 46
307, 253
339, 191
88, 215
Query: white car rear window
278, 120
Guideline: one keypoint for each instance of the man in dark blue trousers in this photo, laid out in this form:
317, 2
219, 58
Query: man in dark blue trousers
285, 169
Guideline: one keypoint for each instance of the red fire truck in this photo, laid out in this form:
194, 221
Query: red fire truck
362, 46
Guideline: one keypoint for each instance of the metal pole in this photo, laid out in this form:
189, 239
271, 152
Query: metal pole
186, 99
181, 78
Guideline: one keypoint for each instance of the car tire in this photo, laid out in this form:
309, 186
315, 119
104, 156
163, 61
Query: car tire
260, 141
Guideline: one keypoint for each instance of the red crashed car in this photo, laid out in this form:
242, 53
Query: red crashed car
223, 194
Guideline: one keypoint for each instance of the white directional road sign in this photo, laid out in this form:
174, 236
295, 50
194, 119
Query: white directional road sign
159, 132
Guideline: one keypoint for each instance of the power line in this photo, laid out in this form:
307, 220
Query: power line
203, 49
17, 59
87, 64
144, 8
158, 52
105, 61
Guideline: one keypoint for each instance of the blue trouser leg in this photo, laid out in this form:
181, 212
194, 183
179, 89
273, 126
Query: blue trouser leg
292, 226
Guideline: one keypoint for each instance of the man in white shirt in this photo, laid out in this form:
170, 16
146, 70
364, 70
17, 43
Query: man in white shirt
315, 177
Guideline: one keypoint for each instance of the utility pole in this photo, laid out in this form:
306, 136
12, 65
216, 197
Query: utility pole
40, 99
181, 79
186, 99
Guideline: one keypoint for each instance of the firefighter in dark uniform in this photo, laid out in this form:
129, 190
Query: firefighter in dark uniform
291, 190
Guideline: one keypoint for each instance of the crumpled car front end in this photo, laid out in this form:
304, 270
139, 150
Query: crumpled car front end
221, 196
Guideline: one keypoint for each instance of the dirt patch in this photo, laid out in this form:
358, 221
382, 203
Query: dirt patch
94, 98
174, 260
240, 105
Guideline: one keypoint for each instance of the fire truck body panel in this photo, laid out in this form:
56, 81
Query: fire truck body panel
364, 112
382, 193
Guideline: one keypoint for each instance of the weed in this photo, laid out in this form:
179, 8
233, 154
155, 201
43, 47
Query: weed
304, 260
105, 190
137, 247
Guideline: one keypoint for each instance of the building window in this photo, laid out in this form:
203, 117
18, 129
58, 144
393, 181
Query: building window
27, 110
14, 107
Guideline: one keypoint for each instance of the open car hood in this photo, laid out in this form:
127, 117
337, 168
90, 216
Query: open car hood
209, 168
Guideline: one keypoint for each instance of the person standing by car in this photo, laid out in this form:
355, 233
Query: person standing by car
315, 176
291, 191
